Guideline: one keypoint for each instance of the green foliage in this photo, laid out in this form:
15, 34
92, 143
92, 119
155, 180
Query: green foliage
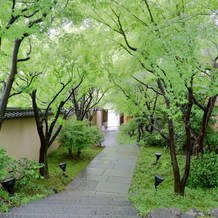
146, 199
129, 128
5, 160
154, 139
77, 135
97, 135
125, 139
24, 170
211, 140
204, 173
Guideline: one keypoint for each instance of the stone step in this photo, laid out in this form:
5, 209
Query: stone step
97, 196
69, 206
61, 209
11, 215
83, 204
83, 201
90, 194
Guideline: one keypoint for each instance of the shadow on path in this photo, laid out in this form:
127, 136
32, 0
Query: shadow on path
101, 190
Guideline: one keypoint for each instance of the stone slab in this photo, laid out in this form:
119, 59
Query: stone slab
119, 172
88, 185
102, 165
165, 213
93, 171
214, 212
120, 180
112, 187
92, 177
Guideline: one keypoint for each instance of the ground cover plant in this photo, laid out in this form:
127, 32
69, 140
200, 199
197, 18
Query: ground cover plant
144, 196
40, 187
123, 139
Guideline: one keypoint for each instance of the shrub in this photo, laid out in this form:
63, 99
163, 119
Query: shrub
129, 128
212, 140
204, 173
154, 139
77, 135
23, 169
5, 160
97, 135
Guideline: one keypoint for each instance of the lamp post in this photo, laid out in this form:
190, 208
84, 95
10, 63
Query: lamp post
157, 180
8, 185
158, 155
63, 167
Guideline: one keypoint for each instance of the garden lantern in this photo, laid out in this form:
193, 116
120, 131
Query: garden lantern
8, 185
157, 180
158, 155
63, 167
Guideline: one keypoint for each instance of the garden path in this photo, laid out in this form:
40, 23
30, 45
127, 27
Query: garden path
100, 191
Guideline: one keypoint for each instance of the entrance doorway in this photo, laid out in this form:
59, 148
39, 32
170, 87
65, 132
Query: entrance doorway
113, 120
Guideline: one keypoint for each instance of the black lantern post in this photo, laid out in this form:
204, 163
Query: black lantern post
158, 155
8, 185
157, 180
63, 167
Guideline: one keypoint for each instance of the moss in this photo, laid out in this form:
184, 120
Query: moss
146, 199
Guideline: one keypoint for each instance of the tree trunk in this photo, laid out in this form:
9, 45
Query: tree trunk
43, 142
176, 173
43, 159
187, 116
178, 187
10, 80
199, 145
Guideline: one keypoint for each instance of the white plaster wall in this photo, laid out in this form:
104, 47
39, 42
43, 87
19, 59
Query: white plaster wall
20, 138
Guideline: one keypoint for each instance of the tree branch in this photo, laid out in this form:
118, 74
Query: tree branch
147, 86
62, 103
149, 11
137, 18
122, 32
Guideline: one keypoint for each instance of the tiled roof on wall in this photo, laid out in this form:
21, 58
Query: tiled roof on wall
12, 113
18, 113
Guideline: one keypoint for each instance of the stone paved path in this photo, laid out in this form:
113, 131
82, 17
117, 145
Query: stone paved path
100, 191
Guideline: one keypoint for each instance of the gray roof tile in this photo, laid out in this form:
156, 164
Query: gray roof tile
18, 113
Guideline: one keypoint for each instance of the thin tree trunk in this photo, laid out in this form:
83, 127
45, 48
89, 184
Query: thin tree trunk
43, 160
187, 116
174, 162
199, 145
43, 143
10, 80
178, 189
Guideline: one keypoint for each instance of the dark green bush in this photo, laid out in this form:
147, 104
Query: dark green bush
204, 173
211, 140
23, 169
129, 128
77, 135
5, 160
154, 139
